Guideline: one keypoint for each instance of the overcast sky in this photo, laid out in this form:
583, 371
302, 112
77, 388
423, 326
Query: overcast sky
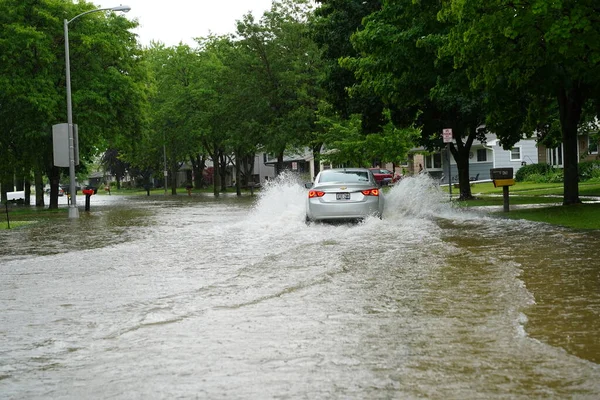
174, 21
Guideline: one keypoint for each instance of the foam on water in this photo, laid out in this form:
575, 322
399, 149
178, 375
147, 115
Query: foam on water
419, 196
283, 201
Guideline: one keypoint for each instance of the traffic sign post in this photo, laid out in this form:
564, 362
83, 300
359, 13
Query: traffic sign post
447, 135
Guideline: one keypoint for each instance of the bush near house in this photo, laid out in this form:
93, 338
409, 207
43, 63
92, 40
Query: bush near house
545, 173
589, 170
539, 173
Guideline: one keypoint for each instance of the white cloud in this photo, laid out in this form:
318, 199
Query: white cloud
174, 21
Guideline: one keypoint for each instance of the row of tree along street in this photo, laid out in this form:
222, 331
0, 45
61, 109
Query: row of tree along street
367, 80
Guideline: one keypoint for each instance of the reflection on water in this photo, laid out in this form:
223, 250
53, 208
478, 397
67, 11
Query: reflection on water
237, 298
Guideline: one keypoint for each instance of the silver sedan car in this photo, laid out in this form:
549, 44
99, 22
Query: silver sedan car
344, 194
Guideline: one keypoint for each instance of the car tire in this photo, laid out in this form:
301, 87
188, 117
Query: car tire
307, 220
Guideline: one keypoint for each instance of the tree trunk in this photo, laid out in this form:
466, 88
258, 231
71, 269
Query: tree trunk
570, 105
460, 152
317, 159
223, 171
248, 169
279, 165
238, 174
39, 188
6, 184
198, 165
27, 189
216, 175
54, 182
173, 178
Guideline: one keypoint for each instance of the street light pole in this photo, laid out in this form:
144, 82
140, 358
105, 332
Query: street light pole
73, 211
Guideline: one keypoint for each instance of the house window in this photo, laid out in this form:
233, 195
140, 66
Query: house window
592, 145
481, 155
555, 156
433, 161
515, 154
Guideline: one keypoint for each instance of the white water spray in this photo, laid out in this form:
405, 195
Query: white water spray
418, 197
282, 201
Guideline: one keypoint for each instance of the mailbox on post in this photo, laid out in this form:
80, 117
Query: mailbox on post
503, 177
501, 173
88, 191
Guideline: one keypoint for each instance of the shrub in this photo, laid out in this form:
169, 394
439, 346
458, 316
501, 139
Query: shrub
533, 172
589, 170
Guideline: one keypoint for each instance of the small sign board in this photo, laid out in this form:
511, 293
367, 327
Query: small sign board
19, 195
60, 142
501, 173
447, 135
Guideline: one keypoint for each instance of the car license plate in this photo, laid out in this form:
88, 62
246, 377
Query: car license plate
342, 196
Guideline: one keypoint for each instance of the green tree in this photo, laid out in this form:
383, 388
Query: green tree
285, 62
529, 55
346, 145
175, 103
399, 60
332, 26
105, 73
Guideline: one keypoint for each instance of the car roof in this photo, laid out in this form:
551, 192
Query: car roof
354, 169
346, 175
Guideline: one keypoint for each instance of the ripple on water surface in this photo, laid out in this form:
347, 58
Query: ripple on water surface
231, 298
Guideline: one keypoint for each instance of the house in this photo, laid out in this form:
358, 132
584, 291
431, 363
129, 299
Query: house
482, 158
587, 150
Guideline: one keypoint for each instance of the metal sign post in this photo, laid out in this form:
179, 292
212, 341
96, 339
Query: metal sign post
447, 135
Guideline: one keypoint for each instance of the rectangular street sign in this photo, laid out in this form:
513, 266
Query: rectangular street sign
447, 135
60, 143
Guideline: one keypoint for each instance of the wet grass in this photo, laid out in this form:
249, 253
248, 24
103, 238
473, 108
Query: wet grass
20, 216
579, 216
548, 196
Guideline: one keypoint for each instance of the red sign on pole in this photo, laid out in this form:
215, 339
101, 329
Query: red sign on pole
447, 134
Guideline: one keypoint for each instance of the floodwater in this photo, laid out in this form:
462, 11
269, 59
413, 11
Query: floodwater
196, 297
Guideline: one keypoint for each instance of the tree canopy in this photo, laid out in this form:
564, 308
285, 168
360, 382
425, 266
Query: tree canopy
533, 57
107, 77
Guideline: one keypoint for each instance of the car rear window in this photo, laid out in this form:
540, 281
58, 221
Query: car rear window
344, 176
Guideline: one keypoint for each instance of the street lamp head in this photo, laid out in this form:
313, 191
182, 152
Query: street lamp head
121, 8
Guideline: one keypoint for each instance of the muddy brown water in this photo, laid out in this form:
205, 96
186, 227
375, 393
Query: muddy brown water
196, 297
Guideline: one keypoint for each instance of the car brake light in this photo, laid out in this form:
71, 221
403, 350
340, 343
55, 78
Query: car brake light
370, 192
315, 193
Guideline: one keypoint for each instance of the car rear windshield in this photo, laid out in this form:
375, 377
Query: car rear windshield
344, 176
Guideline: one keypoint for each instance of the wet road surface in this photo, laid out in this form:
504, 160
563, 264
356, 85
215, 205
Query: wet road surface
195, 297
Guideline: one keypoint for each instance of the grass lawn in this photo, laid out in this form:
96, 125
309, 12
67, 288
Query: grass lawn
580, 216
23, 216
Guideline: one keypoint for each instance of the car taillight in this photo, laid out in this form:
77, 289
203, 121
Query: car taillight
315, 193
370, 192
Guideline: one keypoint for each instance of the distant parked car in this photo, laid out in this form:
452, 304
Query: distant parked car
62, 190
383, 176
344, 194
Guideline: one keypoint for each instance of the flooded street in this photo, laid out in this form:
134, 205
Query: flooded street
196, 297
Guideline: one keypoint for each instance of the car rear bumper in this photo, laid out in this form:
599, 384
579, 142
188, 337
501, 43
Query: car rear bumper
318, 211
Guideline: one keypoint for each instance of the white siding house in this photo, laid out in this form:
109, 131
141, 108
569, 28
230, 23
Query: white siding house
482, 158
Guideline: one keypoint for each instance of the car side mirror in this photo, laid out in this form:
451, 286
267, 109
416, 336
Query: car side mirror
308, 185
